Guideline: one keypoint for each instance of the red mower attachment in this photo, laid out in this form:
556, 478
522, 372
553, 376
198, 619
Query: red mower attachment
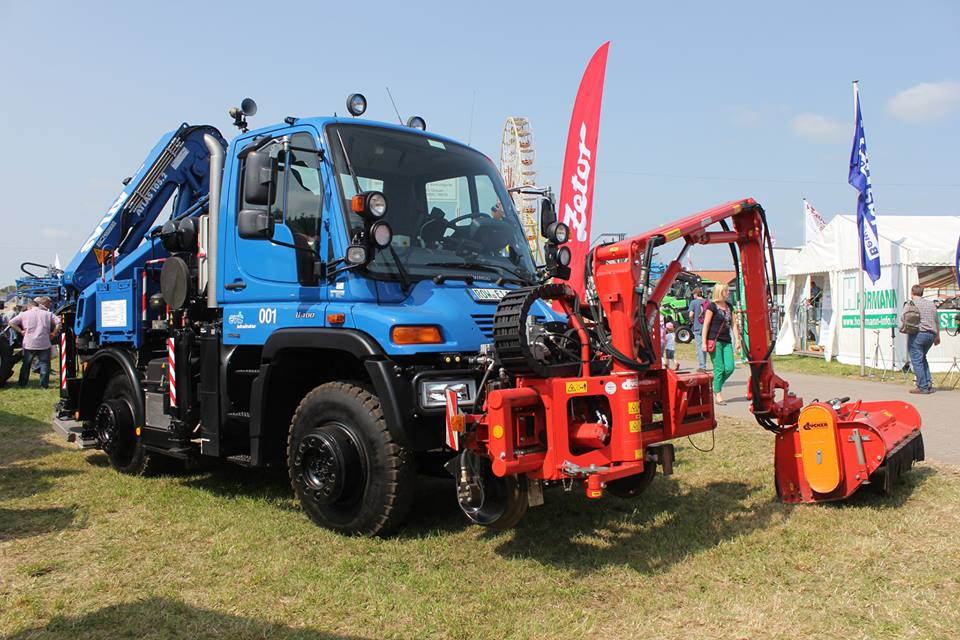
838, 446
587, 402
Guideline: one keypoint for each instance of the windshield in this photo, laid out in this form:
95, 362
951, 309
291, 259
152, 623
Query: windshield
446, 204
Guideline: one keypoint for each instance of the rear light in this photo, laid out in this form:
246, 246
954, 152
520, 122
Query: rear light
416, 334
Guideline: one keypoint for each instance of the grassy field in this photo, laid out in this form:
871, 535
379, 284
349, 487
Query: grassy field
225, 552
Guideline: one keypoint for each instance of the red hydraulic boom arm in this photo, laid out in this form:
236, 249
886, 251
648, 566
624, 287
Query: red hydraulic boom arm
623, 267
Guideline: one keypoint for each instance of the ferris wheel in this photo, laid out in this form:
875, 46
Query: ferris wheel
517, 158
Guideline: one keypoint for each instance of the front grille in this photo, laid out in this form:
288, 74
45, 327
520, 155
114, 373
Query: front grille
484, 323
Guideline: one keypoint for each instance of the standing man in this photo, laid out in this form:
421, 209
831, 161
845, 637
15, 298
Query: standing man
38, 326
696, 321
920, 342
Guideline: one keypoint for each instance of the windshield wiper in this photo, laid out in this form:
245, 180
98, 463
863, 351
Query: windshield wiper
492, 268
401, 270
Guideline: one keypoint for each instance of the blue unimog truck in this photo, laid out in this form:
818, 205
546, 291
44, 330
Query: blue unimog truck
301, 296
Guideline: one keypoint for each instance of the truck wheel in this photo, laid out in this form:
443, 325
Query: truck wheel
6, 360
345, 467
117, 431
684, 335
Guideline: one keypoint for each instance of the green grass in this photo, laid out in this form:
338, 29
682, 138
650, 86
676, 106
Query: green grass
225, 552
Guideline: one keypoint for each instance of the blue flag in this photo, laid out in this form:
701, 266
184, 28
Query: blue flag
859, 179
957, 262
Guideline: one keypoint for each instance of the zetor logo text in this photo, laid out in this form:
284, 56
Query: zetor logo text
576, 218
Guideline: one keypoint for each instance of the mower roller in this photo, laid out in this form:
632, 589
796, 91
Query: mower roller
589, 402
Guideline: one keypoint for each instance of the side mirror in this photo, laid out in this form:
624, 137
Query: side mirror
254, 224
259, 175
548, 215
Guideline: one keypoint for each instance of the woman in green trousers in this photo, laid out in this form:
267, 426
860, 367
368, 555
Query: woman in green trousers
719, 334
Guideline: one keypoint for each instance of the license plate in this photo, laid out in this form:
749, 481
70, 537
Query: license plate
488, 295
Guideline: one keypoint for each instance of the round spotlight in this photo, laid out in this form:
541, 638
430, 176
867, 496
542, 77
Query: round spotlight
558, 232
382, 234
564, 255
376, 204
416, 122
356, 104
248, 106
356, 254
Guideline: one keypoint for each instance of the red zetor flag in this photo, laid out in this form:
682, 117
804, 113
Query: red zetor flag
580, 164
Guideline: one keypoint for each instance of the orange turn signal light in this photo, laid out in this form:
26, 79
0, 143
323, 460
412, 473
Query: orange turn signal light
336, 318
416, 334
358, 203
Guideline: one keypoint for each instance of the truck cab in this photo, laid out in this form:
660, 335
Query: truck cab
309, 309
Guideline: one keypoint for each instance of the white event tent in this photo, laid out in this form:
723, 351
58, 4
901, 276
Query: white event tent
913, 249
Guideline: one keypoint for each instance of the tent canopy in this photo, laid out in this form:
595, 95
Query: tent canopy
906, 240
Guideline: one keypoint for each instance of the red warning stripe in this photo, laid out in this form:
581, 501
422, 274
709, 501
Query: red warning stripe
63, 360
172, 371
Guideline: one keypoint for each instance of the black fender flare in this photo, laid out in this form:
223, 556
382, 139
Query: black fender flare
357, 344
95, 374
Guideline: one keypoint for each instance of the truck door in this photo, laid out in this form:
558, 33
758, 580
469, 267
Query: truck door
263, 270
267, 285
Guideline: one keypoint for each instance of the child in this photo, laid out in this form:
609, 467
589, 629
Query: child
670, 347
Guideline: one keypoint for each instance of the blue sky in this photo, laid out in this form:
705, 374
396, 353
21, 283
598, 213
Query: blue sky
704, 102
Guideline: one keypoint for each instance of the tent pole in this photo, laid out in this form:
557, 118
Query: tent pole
863, 315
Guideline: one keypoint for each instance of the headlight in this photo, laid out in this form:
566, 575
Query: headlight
376, 204
563, 256
558, 232
356, 254
369, 204
432, 392
356, 104
416, 122
381, 233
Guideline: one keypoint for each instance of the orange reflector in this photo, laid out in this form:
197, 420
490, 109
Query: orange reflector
101, 255
336, 318
416, 334
357, 203
458, 423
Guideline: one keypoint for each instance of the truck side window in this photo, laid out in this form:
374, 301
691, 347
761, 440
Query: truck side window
304, 191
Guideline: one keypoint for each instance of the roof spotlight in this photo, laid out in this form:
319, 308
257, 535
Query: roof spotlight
416, 122
356, 104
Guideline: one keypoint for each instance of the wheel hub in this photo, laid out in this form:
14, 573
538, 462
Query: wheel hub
112, 421
330, 464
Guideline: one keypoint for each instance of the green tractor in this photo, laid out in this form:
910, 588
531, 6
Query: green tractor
676, 304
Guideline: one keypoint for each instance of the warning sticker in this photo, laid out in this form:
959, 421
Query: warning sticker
634, 426
579, 386
633, 407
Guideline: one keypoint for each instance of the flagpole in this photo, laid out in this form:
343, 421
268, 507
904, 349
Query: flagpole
805, 234
861, 302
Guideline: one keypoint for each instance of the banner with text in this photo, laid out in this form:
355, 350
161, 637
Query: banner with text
580, 164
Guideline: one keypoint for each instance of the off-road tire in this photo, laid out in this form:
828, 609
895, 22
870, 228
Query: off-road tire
384, 470
132, 458
684, 335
